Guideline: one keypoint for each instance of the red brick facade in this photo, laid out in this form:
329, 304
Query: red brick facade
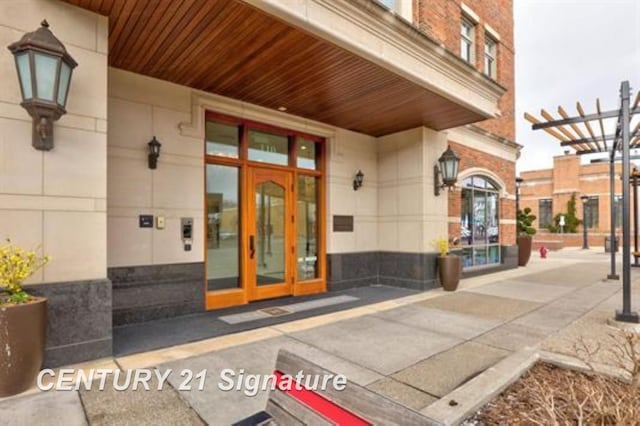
441, 20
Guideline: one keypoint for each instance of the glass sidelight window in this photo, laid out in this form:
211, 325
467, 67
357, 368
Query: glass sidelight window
223, 227
307, 233
479, 222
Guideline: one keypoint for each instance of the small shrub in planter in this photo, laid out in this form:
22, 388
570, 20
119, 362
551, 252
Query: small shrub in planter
525, 235
23, 320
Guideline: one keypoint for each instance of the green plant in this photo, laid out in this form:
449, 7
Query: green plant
525, 221
571, 221
16, 265
442, 245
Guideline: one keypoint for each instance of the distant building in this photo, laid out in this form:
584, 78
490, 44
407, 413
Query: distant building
547, 192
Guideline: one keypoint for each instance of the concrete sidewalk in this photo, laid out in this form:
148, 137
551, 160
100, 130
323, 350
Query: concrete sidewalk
414, 350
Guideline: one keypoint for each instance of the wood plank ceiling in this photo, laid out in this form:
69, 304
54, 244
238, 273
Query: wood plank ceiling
231, 49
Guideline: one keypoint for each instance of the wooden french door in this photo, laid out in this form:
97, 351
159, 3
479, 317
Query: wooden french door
270, 237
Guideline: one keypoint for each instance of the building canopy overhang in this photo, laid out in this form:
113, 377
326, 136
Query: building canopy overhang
351, 64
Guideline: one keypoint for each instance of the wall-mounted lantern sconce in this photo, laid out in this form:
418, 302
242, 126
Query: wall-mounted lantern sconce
44, 70
357, 180
448, 168
154, 153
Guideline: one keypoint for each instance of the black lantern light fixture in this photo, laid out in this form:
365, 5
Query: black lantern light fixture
44, 70
448, 167
357, 180
154, 152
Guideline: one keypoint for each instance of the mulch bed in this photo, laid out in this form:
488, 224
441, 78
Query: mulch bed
550, 395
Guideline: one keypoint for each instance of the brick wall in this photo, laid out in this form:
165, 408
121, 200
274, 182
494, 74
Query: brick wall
557, 241
470, 157
440, 19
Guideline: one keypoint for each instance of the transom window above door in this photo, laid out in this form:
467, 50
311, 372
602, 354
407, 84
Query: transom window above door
233, 138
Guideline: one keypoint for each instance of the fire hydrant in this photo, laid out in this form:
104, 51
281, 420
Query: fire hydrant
543, 252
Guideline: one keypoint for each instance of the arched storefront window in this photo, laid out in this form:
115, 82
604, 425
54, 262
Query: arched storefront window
479, 222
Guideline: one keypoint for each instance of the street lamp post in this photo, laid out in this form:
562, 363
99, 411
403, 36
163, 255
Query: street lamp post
585, 241
519, 181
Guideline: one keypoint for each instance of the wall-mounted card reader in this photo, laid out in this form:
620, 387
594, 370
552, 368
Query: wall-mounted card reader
186, 228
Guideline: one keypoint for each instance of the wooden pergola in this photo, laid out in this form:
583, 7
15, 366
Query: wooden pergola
617, 146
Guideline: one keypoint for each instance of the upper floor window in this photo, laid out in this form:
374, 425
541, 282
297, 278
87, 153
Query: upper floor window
545, 213
591, 212
391, 4
467, 38
490, 56
403, 8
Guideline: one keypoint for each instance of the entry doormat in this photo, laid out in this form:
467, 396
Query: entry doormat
286, 309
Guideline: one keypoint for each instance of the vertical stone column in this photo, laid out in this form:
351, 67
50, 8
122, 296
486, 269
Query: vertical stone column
55, 201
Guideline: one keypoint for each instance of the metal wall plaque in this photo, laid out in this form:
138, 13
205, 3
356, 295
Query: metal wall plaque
342, 223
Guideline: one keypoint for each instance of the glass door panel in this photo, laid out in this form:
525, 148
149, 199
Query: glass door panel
466, 217
479, 218
493, 228
222, 227
270, 245
270, 239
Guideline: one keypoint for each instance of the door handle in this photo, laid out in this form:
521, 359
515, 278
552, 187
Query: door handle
252, 246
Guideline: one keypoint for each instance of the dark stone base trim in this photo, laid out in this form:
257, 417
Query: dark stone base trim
78, 352
79, 320
349, 270
150, 292
408, 270
417, 271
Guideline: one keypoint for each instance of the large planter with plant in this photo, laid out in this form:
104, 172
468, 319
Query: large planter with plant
23, 321
525, 235
449, 266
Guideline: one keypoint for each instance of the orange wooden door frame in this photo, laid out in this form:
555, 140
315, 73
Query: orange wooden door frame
248, 290
283, 179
